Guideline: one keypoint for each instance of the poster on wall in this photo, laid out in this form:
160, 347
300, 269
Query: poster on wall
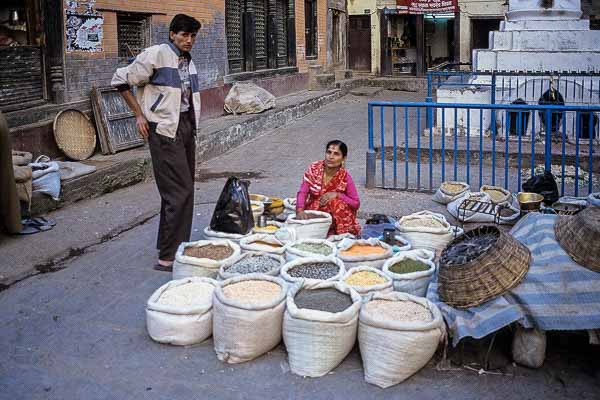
84, 32
428, 6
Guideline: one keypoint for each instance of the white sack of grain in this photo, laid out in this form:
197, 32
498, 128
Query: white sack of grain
226, 273
292, 253
314, 228
366, 291
367, 260
186, 266
415, 283
260, 242
449, 191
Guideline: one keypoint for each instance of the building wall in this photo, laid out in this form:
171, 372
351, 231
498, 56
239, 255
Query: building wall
86, 69
474, 9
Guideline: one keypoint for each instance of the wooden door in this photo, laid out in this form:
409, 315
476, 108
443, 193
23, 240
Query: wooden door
359, 42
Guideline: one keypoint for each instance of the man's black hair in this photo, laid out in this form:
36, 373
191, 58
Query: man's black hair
184, 23
341, 145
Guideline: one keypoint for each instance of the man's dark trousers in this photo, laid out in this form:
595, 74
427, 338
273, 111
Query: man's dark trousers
174, 162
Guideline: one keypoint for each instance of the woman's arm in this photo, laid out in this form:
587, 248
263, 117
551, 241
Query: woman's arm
350, 197
301, 196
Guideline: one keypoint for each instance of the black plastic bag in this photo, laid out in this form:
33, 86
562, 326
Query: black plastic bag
544, 185
233, 212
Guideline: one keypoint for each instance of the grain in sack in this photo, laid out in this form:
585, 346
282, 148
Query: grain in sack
397, 334
414, 281
309, 248
364, 252
449, 191
427, 230
209, 234
368, 280
313, 269
253, 263
180, 311
472, 215
317, 340
316, 227
247, 316
204, 258
263, 242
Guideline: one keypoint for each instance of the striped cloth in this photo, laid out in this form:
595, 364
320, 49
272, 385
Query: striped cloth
556, 293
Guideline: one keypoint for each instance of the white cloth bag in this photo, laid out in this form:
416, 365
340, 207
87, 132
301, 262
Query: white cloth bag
444, 197
415, 283
47, 180
392, 350
180, 326
309, 260
315, 228
366, 291
434, 239
370, 260
224, 270
243, 332
318, 341
250, 244
209, 234
185, 266
291, 253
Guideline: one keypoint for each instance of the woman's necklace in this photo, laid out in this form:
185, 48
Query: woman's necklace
327, 177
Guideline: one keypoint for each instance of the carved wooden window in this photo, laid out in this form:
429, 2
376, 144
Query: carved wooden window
133, 34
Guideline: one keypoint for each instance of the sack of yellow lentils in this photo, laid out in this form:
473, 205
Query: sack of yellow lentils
368, 280
369, 253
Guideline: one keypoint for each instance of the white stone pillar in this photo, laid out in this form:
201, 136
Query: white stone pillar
520, 10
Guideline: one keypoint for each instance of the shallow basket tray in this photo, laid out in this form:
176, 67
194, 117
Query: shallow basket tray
74, 134
578, 236
486, 277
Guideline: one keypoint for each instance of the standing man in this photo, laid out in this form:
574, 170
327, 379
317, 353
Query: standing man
167, 111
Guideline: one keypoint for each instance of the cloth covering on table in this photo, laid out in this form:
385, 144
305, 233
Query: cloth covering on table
556, 293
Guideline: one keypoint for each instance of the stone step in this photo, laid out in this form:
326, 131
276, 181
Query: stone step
507, 60
546, 40
343, 74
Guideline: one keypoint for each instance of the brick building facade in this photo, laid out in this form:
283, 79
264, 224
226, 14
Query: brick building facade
83, 42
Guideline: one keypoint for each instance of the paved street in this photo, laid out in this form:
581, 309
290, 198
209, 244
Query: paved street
79, 333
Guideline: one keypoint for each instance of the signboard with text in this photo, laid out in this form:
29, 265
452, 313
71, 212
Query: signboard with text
428, 6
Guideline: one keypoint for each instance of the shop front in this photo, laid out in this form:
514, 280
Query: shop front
417, 35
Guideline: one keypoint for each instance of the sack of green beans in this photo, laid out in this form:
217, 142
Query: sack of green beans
368, 280
313, 269
247, 316
309, 248
319, 326
204, 258
253, 263
410, 273
397, 335
180, 311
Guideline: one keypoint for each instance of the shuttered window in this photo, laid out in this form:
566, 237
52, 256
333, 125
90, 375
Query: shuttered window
257, 34
21, 75
132, 34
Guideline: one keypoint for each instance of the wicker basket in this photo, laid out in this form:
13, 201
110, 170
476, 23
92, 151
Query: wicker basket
578, 236
74, 134
488, 276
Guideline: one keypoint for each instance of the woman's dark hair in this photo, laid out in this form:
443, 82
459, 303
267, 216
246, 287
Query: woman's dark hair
184, 23
341, 145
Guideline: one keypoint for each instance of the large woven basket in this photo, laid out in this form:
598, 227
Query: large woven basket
74, 134
578, 235
486, 277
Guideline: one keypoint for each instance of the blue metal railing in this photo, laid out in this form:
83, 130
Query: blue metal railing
482, 144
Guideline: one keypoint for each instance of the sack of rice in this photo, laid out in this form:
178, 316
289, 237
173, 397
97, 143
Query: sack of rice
180, 311
319, 326
263, 242
209, 234
271, 228
313, 269
497, 194
397, 335
368, 280
309, 248
253, 263
315, 227
204, 258
449, 191
364, 252
410, 273
427, 230
247, 316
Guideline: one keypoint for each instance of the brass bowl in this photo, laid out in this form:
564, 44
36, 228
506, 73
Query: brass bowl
530, 201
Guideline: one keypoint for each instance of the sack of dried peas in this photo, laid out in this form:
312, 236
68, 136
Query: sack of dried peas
247, 316
368, 280
410, 273
410, 327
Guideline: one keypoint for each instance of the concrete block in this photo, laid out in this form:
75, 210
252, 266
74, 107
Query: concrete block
547, 25
325, 81
343, 74
485, 60
313, 71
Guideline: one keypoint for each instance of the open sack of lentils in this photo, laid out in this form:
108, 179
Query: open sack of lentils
204, 258
479, 266
252, 263
316, 268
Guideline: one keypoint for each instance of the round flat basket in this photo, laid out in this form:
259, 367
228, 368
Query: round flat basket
479, 266
74, 134
578, 236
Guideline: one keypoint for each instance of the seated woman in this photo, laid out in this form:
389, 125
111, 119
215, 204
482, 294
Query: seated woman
328, 187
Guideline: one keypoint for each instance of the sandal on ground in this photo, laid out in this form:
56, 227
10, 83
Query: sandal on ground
163, 268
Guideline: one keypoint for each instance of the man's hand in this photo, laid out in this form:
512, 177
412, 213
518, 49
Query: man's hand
326, 197
142, 125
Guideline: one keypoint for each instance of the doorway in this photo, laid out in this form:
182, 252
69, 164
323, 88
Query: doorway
310, 28
480, 32
359, 42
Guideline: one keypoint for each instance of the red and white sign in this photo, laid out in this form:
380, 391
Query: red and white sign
429, 6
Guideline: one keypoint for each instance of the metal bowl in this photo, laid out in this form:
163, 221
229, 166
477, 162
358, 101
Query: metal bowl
530, 201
